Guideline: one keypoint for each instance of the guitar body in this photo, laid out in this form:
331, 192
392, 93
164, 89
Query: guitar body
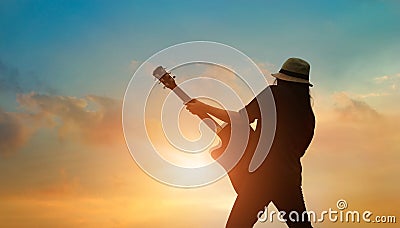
239, 174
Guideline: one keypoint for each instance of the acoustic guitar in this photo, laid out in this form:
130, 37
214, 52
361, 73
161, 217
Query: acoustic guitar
239, 175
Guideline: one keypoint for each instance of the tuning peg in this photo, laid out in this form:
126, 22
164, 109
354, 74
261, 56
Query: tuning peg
164, 87
159, 82
174, 76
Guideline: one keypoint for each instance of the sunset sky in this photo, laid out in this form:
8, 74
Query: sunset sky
65, 66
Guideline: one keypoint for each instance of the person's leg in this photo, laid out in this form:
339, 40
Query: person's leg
291, 199
245, 210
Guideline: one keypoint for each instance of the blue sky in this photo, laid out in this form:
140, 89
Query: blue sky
69, 45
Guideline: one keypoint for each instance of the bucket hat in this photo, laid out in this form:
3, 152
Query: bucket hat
294, 70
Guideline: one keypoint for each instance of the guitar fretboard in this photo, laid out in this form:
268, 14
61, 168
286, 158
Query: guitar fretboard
181, 94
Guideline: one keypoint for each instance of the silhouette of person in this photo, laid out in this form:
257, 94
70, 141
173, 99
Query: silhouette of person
278, 179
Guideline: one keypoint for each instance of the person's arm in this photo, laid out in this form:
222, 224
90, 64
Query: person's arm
197, 108
253, 110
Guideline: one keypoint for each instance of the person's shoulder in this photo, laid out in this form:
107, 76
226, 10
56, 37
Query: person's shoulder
271, 89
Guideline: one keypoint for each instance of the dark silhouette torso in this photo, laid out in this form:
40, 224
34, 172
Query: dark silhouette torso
294, 131
278, 179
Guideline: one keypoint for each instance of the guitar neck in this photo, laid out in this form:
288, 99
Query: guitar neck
181, 94
210, 122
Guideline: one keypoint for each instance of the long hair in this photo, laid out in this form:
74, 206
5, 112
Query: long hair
301, 90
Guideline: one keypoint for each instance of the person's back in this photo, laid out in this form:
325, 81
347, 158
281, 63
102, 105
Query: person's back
294, 130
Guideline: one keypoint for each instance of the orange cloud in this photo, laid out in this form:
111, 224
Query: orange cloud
354, 155
13, 133
352, 109
95, 119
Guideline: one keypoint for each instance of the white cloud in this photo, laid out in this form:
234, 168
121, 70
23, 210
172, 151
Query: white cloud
381, 79
372, 95
392, 81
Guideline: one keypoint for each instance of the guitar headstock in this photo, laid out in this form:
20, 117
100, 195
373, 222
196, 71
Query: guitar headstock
164, 77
